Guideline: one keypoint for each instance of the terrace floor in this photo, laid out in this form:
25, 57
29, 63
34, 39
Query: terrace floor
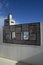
4, 61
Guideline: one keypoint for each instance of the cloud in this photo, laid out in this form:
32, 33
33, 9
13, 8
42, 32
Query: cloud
3, 4
2, 18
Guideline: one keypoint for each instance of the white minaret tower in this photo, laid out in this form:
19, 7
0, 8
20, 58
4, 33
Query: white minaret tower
9, 20
9, 16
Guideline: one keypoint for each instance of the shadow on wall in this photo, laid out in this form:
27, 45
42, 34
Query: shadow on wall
34, 60
22, 63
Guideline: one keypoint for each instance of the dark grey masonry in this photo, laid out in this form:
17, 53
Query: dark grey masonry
28, 34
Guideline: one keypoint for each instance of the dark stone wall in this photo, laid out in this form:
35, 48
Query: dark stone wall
32, 29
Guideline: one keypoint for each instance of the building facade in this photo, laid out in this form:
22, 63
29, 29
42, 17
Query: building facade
22, 34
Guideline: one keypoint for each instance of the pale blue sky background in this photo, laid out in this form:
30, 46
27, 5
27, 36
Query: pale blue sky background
23, 11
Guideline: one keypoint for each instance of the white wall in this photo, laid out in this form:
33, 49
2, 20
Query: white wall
1, 35
26, 53
10, 22
41, 31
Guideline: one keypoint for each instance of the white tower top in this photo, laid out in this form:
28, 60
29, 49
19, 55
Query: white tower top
9, 16
9, 20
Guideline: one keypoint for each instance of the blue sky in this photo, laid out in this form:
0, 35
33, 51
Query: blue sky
23, 11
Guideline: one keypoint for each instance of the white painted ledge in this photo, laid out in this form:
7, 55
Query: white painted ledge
4, 61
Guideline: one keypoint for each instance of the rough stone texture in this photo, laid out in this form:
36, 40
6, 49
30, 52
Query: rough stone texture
32, 28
